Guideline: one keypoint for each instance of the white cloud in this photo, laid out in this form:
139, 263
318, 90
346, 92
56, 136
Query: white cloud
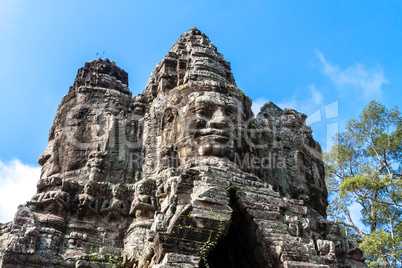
306, 101
367, 82
257, 104
316, 95
17, 185
291, 103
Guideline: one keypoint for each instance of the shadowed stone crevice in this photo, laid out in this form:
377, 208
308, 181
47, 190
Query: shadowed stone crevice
238, 247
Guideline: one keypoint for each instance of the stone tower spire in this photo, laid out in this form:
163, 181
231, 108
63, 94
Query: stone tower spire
193, 58
87, 139
102, 73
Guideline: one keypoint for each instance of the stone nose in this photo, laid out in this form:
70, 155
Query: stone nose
218, 120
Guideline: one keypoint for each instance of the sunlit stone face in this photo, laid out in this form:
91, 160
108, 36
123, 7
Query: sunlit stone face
78, 142
212, 122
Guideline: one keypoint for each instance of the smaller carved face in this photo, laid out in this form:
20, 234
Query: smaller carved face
141, 189
96, 160
117, 192
87, 188
146, 187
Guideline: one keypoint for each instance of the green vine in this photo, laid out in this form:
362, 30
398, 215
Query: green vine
223, 229
233, 90
95, 257
205, 249
182, 87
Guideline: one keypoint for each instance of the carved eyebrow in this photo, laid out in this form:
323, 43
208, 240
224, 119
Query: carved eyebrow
232, 107
204, 102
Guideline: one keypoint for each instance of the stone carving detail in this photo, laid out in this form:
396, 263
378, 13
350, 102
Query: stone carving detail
144, 203
157, 179
88, 204
116, 204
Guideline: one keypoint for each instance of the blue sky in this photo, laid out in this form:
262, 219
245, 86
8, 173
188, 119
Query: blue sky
327, 59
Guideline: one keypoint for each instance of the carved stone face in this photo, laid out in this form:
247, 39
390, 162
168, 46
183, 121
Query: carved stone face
49, 159
81, 132
211, 123
141, 188
117, 192
146, 187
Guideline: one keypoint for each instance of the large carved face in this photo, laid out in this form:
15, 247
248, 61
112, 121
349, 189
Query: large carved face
81, 132
210, 124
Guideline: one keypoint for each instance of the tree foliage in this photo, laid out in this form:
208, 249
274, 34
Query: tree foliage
364, 167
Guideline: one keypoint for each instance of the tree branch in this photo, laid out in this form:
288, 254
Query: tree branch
351, 225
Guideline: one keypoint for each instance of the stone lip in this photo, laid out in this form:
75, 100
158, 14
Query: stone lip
102, 73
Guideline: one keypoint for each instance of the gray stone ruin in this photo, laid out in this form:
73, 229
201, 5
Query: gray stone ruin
182, 175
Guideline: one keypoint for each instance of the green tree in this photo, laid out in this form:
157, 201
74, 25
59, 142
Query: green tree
364, 167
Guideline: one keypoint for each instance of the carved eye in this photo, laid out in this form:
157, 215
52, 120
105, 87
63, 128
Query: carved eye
232, 114
203, 112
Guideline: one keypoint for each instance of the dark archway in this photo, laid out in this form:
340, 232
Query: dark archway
239, 247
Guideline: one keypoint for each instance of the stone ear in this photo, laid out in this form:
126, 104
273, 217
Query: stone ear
169, 117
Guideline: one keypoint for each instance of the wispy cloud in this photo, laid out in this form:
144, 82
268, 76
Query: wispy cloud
316, 95
305, 101
368, 82
17, 185
257, 104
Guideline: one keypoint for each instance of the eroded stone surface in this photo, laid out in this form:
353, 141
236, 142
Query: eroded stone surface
182, 175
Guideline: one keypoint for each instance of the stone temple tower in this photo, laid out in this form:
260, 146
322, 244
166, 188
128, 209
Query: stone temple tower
182, 175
